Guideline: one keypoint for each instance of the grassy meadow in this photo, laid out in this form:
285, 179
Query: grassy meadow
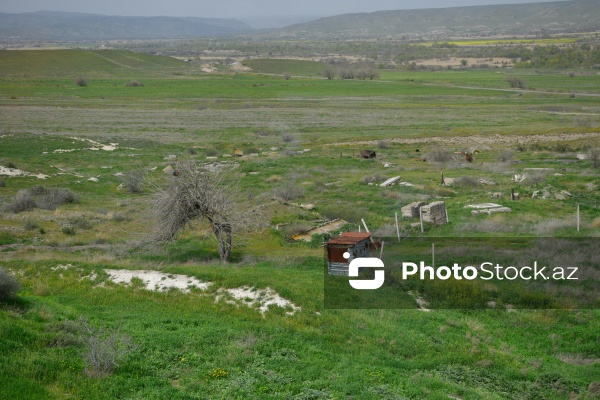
307, 133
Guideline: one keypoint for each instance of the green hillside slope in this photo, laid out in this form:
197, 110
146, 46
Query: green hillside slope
562, 16
83, 62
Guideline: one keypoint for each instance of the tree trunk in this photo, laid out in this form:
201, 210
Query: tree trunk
223, 234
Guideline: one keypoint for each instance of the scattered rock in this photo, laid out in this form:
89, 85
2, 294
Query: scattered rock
484, 181
484, 206
542, 194
520, 177
582, 156
93, 179
170, 157
390, 181
449, 181
168, 170
490, 211
497, 195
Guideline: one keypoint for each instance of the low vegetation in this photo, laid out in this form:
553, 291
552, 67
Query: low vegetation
73, 332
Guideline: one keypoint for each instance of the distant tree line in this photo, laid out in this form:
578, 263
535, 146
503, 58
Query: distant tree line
382, 52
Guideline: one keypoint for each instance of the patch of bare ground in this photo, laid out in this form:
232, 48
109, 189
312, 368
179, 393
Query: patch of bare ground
478, 140
577, 359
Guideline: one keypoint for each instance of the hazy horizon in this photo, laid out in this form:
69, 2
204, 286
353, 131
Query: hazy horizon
238, 9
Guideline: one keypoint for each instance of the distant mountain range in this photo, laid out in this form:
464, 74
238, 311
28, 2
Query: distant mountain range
51, 25
514, 19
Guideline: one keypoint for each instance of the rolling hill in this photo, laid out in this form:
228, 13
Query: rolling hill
515, 19
48, 25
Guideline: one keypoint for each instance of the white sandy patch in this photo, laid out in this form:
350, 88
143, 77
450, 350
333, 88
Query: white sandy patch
261, 298
17, 172
93, 179
155, 280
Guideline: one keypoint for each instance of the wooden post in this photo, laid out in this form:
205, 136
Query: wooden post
447, 219
367, 229
381, 252
365, 225
512, 193
359, 227
397, 226
443, 181
577, 217
433, 255
421, 217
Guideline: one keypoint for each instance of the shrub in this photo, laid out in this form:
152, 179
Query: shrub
23, 201
516, 83
294, 229
347, 212
287, 137
192, 151
11, 165
9, 285
2, 184
80, 223
506, 156
585, 122
383, 144
211, 152
81, 81
30, 225
288, 192
68, 230
133, 181
55, 197
439, 155
536, 178
134, 84
104, 349
287, 76
595, 157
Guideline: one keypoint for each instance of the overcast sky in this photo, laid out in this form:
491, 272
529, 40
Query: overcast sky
233, 8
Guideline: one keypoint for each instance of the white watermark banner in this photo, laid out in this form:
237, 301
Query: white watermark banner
510, 273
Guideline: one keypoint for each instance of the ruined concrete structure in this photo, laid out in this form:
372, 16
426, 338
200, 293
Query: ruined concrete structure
435, 213
412, 210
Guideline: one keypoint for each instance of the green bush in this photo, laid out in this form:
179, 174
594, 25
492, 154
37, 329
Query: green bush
9, 285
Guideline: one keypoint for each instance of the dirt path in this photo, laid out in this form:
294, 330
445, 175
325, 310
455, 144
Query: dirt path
475, 140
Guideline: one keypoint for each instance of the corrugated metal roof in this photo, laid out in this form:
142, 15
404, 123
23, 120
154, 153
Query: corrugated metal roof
350, 238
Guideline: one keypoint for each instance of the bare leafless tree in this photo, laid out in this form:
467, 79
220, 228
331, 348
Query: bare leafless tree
199, 194
329, 73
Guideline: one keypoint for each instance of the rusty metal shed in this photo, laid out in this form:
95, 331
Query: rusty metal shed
357, 244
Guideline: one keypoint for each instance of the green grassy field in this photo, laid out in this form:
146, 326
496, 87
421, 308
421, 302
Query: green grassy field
293, 67
188, 345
